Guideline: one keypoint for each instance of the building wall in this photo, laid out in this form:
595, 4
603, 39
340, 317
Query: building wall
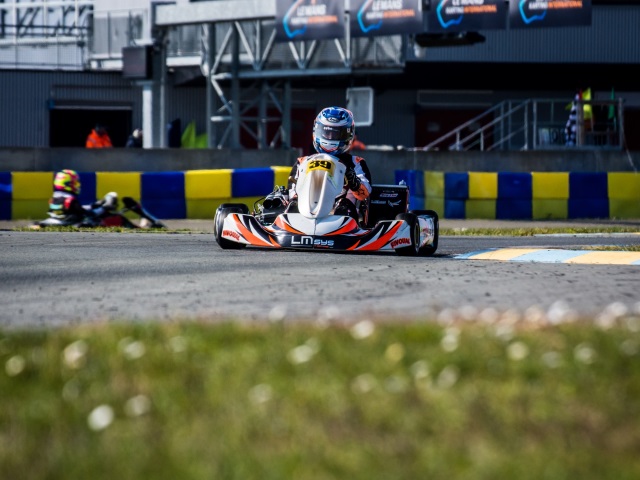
27, 95
613, 37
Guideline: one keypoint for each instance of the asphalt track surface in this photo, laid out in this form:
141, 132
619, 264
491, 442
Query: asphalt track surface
51, 279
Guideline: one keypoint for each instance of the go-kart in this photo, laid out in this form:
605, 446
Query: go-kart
312, 221
107, 216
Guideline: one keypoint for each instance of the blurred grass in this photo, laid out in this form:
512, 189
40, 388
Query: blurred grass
291, 400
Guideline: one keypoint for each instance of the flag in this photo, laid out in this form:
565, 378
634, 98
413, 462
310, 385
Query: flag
588, 111
191, 138
188, 139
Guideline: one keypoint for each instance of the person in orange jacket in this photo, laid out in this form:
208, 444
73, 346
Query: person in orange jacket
98, 138
358, 144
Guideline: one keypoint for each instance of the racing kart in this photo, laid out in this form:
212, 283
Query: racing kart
109, 216
312, 221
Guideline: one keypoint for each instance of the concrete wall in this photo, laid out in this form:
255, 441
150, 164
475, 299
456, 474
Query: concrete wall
138, 160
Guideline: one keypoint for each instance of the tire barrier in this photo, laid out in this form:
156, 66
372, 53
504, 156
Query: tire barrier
524, 196
195, 194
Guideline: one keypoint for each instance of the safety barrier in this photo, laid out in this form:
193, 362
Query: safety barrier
522, 196
191, 194
196, 194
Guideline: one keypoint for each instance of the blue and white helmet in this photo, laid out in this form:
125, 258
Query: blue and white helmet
333, 131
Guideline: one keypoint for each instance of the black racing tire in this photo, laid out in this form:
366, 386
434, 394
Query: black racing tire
430, 250
414, 228
238, 208
221, 213
243, 208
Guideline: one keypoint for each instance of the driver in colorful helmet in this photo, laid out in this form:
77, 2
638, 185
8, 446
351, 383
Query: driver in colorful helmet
333, 133
65, 199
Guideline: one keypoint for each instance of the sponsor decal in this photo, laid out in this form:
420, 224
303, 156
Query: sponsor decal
549, 13
385, 17
399, 242
308, 241
231, 234
302, 241
388, 195
320, 243
309, 19
467, 15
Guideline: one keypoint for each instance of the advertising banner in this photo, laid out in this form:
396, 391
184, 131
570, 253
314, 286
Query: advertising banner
466, 15
385, 17
300, 20
549, 13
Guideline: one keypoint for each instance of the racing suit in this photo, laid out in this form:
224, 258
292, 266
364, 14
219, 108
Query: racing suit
357, 183
64, 204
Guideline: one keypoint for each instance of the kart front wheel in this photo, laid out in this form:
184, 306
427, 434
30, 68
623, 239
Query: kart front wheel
221, 213
429, 250
414, 230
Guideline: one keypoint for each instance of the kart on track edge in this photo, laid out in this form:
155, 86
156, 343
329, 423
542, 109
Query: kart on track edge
110, 217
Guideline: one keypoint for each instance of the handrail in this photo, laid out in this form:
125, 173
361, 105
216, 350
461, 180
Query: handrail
458, 129
530, 122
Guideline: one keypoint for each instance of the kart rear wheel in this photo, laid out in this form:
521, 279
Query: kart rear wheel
429, 250
221, 213
414, 229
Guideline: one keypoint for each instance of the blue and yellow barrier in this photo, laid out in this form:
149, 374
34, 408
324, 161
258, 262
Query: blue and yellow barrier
456, 195
525, 196
168, 195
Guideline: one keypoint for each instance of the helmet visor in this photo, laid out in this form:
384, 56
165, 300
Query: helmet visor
331, 133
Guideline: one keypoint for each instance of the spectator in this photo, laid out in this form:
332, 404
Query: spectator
358, 144
99, 138
135, 139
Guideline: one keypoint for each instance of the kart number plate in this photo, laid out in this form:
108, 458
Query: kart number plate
321, 165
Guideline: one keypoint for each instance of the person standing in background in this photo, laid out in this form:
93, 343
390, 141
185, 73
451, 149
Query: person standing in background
98, 138
135, 139
358, 144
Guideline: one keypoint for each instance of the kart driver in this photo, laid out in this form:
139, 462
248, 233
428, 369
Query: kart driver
65, 201
333, 133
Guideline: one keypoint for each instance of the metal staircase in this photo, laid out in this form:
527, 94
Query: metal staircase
536, 125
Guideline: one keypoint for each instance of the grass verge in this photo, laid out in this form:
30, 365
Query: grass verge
392, 400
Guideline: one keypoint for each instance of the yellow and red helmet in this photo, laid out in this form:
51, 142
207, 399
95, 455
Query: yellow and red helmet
67, 181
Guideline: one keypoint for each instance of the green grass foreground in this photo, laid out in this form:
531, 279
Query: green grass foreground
392, 400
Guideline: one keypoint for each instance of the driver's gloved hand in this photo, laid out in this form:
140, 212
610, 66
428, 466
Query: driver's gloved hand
351, 179
110, 201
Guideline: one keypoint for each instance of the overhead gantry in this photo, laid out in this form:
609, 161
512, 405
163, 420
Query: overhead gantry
249, 72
